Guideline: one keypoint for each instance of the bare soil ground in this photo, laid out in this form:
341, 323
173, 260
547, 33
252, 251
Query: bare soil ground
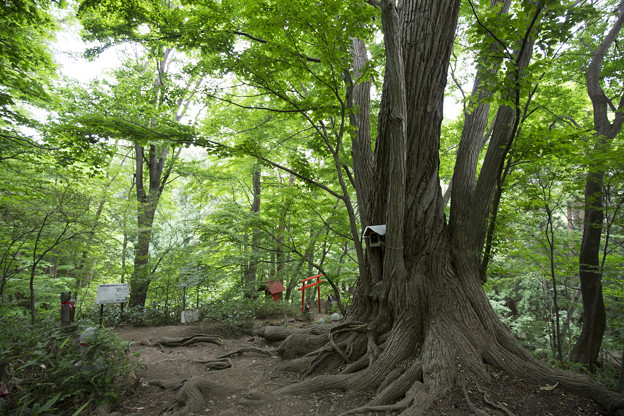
258, 373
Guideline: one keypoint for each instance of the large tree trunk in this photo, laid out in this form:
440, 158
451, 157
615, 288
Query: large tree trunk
420, 321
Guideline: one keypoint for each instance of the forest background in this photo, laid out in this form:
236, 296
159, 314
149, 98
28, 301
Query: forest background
216, 155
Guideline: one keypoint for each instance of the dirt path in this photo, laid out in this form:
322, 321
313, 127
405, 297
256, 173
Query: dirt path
257, 373
249, 371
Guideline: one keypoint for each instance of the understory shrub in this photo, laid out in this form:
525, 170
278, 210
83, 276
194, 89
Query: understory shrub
49, 375
242, 311
152, 315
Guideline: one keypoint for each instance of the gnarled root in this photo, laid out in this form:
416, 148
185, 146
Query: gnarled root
241, 351
297, 365
299, 344
279, 333
184, 341
420, 359
219, 364
347, 343
196, 392
166, 384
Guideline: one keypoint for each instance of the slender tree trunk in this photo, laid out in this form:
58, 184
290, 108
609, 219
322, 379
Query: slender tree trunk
141, 275
252, 264
550, 237
594, 318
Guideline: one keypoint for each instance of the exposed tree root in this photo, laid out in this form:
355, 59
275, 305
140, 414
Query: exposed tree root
166, 384
250, 349
477, 411
184, 341
219, 364
347, 343
396, 385
358, 365
492, 402
449, 356
297, 365
197, 391
279, 333
255, 398
300, 344
445, 342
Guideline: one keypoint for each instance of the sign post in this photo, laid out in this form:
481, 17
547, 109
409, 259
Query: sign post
111, 293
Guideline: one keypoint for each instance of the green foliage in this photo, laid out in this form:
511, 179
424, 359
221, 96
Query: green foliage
49, 373
241, 311
26, 27
156, 314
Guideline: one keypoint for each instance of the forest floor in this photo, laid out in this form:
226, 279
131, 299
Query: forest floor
252, 371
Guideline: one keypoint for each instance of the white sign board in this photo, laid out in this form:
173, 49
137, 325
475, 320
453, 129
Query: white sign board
112, 293
190, 315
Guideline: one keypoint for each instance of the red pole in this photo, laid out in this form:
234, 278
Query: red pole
318, 279
311, 285
303, 297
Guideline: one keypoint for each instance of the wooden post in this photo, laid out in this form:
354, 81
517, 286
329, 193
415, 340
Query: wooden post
101, 314
318, 281
67, 309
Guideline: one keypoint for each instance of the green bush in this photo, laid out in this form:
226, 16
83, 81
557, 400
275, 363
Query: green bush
49, 375
242, 311
152, 315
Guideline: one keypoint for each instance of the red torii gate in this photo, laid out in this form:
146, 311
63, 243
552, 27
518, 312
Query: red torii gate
304, 287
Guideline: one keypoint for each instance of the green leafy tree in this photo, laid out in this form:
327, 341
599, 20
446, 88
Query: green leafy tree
42, 213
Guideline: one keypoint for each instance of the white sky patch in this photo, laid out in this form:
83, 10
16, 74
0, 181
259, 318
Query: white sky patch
69, 51
452, 107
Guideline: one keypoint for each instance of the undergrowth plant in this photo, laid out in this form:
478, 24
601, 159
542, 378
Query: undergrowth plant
49, 375
242, 311
152, 315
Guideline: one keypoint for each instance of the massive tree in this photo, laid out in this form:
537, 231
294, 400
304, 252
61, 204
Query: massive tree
420, 321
